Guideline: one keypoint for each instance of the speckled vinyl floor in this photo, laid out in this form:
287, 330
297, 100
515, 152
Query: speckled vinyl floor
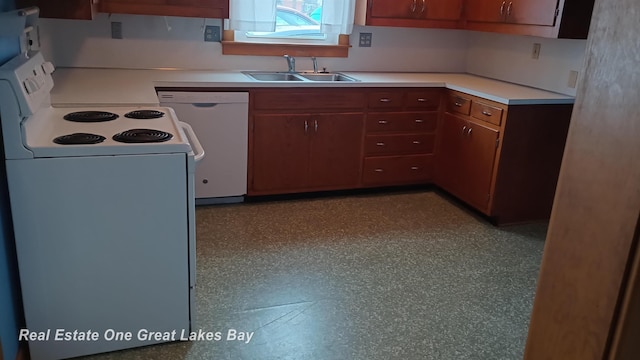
405, 275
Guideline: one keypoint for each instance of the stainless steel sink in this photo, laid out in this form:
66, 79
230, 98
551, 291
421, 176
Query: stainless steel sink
327, 77
276, 76
287, 76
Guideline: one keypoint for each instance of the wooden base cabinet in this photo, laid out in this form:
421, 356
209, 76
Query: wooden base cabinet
297, 144
400, 136
502, 160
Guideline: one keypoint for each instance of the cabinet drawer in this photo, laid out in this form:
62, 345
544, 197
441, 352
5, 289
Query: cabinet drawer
424, 100
308, 99
485, 112
399, 144
458, 104
397, 169
404, 121
386, 99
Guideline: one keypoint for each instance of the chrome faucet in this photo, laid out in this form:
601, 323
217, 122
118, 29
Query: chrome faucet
291, 62
315, 64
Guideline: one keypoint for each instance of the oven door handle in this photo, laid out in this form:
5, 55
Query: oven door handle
193, 140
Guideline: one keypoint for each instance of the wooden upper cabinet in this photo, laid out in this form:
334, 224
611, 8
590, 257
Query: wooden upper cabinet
185, 8
526, 12
409, 13
417, 9
71, 9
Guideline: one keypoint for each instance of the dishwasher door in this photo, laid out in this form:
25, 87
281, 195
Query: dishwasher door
221, 122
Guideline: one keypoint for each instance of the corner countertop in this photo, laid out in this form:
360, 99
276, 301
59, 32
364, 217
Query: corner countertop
88, 86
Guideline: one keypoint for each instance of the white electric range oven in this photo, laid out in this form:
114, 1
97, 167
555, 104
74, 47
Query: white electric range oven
103, 208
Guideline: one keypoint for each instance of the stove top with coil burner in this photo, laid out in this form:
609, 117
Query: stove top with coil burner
53, 132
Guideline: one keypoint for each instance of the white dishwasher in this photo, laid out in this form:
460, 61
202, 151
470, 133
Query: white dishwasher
221, 122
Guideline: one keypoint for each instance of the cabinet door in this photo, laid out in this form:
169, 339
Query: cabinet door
441, 9
188, 8
451, 153
486, 10
335, 150
396, 9
70, 9
280, 152
478, 155
532, 12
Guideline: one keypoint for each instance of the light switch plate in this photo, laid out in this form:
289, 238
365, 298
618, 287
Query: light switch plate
212, 33
365, 39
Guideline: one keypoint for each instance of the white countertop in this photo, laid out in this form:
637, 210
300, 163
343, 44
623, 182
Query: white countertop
84, 86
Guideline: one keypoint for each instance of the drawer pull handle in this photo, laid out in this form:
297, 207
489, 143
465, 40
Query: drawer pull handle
469, 132
486, 113
385, 100
419, 121
509, 8
415, 168
306, 126
414, 5
380, 144
502, 7
383, 122
416, 142
422, 100
315, 126
464, 129
458, 104
379, 170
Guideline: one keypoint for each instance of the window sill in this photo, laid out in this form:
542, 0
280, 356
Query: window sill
230, 47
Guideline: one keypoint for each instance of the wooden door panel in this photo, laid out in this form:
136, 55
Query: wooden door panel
479, 158
450, 154
532, 12
280, 152
335, 150
485, 10
394, 8
441, 9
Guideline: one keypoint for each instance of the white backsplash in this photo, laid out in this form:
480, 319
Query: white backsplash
173, 42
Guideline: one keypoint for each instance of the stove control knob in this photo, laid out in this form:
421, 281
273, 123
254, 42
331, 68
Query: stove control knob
48, 67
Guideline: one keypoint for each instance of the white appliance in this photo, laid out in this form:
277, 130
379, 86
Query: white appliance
221, 121
103, 211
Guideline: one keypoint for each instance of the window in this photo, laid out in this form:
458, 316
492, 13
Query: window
291, 21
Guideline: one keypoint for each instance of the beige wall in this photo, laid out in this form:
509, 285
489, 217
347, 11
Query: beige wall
170, 42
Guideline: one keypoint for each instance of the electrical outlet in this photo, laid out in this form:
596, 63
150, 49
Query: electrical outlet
365, 39
535, 54
212, 33
116, 30
573, 79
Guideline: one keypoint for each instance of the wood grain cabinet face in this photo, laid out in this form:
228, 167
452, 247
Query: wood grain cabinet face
400, 136
300, 143
526, 12
71, 9
185, 8
417, 9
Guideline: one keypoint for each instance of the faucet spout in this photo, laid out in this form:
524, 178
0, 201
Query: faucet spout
291, 63
315, 64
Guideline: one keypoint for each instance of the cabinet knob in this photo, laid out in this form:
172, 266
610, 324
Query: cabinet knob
379, 170
383, 122
379, 144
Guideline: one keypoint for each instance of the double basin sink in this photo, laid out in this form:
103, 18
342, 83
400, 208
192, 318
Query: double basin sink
302, 76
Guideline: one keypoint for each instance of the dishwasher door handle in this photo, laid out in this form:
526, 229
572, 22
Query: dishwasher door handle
204, 105
193, 140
